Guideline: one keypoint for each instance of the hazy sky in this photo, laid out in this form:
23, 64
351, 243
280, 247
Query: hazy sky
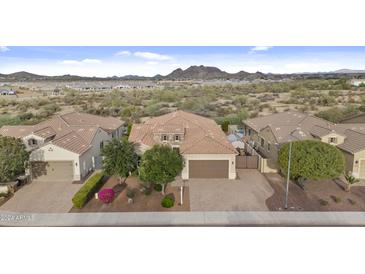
149, 61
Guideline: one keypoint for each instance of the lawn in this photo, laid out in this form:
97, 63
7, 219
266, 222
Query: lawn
142, 202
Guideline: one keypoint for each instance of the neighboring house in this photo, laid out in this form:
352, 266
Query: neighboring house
357, 82
66, 147
268, 133
354, 119
7, 92
206, 151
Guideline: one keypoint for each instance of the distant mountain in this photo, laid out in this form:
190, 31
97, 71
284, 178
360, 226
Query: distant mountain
348, 71
192, 73
198, 73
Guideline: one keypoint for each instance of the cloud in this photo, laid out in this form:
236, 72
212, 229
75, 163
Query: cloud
259, 48
4, 49
152, 56
77, 62
91, 61
152, 63
123, 53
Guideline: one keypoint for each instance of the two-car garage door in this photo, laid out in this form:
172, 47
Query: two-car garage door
52, 171
208, 169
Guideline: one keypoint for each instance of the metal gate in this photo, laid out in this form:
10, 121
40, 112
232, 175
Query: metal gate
247, 161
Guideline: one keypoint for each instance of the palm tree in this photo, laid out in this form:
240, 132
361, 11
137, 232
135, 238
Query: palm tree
350, 181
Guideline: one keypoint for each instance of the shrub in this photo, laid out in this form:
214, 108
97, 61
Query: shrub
87, 191
352, 202
130, 193
335, 199
147, 191
167, 202
323, 202
106, 195
157, 187
312, 159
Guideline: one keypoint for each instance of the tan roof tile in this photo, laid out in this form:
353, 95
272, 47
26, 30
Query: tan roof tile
201, 135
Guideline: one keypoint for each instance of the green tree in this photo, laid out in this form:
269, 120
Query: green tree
311, 159
119, 158
160, 165
350, 181
225, 125
13, 158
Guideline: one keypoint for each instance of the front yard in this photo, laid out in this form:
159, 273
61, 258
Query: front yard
324, 195
141, 201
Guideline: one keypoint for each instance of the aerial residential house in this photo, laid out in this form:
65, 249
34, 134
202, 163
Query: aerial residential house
7, 92
66, 147
206, 151
357, 82
268, 133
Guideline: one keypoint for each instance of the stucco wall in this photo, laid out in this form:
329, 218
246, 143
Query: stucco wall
40, 141
357, 157
230, 157
51, 152
326, 139
268, 137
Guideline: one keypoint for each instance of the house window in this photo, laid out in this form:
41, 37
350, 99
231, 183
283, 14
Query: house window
176, 149
101, 145
249, 132
262, 142
177, 138
333, 140
268, 146
164, 137
32, 142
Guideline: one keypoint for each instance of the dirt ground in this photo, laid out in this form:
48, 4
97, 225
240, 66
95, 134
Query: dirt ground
325, 195
141, 202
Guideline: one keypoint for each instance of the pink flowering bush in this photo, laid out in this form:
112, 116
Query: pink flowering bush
106, 195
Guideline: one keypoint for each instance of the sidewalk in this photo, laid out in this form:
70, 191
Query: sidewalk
254, 218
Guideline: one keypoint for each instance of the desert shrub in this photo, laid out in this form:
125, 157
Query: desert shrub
87, 191
147, 191
225, 125
106, 195
167, 202
157, 187
335, 199
352, 202
6, 119
323, 202
130, 193
312, 159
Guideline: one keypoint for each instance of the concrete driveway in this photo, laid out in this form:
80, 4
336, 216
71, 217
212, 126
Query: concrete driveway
248, 193
42, 197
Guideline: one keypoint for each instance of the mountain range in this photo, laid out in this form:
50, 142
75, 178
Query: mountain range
192, 73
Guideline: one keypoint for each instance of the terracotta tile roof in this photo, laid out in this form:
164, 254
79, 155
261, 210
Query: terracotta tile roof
354, 142
45, 132
72, 142
16, 131
201, 135
85, 119
291, 125
83, 126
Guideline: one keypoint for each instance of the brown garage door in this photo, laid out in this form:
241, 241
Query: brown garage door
208, 168
52, 171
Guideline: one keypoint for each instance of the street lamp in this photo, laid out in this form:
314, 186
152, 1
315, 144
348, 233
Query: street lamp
287, 177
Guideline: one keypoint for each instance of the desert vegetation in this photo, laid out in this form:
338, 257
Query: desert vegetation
331, 99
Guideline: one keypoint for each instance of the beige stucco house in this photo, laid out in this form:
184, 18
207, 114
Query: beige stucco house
206, 151
66, 147
266, 134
